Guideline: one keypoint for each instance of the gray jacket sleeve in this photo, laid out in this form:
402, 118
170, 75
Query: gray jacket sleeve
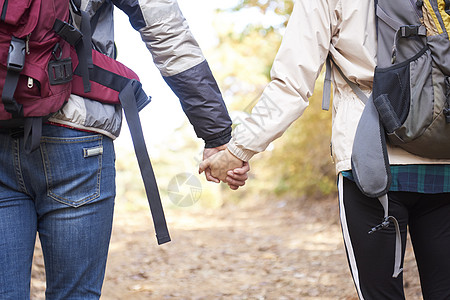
179, 58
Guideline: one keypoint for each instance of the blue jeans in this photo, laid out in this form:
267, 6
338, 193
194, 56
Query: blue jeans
64, 191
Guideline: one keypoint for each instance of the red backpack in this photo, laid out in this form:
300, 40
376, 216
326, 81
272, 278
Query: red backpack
38, 56
28, 47
43, 59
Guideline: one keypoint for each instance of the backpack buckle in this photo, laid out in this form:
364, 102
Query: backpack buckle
16, 55
382, 225
409, 30
67, 32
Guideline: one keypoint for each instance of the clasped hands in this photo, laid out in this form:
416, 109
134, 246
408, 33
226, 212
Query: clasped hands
220, 165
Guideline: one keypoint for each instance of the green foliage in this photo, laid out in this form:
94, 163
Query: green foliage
301, 159
242, 63
244, 58
297, 165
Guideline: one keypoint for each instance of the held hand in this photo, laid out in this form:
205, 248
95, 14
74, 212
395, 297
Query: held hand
208, 152
222, 162
237, 177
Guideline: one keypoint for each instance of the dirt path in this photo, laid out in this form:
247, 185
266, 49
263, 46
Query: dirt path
275, 250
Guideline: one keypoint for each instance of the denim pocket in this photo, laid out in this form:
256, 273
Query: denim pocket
73, 168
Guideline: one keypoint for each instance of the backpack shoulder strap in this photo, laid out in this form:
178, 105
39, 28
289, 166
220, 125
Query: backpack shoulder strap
326, 96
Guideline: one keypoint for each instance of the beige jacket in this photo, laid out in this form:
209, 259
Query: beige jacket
346, 30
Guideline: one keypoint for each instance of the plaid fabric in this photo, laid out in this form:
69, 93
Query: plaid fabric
428, 179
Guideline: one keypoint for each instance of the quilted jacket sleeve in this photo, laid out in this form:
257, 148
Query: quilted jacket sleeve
179, 58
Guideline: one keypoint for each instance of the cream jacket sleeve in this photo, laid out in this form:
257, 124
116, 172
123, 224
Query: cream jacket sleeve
302, 53
343, 29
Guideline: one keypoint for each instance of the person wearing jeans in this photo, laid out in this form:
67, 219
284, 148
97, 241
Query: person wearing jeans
65, 189
67, 195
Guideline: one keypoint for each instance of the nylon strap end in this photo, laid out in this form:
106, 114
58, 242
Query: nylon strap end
163, 239
326, 94
127, 98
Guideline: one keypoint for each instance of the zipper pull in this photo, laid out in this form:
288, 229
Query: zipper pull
30, 83
27, 44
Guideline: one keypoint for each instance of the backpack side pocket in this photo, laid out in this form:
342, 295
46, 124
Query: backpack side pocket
414, 93
407, 85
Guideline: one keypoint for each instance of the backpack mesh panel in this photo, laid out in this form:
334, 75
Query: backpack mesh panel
388, 82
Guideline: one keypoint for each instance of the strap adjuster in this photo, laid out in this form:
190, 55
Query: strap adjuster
409, 30
68, 32
60, 71
16, 55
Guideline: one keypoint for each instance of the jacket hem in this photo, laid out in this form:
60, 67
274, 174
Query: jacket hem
397, 156
81, 127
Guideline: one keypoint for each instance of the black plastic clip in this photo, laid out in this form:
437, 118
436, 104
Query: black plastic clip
68, 32
409, 30
16, 55
59, 70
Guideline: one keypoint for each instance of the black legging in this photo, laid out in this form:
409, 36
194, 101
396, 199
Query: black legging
371, 256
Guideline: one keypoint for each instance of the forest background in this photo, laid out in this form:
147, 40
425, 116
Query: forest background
240, 47
278, 237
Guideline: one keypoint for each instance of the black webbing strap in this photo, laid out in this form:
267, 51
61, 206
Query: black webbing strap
11, 105
32, 133
115, 82
4, 10
84, 51
15, 63
76, 4
128, 100
81, 39
97, 15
